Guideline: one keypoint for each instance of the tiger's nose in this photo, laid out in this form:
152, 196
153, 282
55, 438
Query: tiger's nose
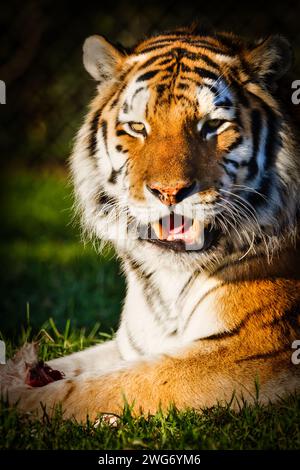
172, 194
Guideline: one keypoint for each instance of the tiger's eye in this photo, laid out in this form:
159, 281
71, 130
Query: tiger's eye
213, 124
210, 126
137, 127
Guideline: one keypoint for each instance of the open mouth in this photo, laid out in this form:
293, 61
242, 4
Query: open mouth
180, 233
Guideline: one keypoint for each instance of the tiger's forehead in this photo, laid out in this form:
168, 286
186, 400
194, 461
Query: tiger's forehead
170, 82
165, 70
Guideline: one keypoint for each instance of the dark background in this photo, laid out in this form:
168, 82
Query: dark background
40, 51
45, 269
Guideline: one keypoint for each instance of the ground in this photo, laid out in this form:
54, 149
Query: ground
65, 294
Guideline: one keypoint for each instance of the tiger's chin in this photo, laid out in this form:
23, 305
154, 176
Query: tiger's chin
181, 234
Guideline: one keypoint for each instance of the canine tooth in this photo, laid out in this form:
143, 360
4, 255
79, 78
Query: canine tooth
197, 228
158, 229
196, 225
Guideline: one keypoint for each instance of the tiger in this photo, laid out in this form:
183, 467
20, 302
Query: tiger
188, 164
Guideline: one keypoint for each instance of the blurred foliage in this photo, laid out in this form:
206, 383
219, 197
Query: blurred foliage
45, 268
40, 57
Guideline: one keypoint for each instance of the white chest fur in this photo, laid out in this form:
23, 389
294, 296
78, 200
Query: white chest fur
167, 312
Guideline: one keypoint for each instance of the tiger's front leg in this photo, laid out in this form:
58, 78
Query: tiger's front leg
147, 385
191, 381
96, 358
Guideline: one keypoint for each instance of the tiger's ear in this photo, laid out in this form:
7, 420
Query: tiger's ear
100, 58
271, 58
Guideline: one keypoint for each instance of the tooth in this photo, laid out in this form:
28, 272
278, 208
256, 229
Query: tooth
197, 230
158, 229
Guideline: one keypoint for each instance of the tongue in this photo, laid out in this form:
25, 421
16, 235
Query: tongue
177, 227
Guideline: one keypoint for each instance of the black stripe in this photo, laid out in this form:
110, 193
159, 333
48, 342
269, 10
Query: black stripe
256, 128
267, 355
135, 93
153, 48
170, 69
189, 80
234, 144
165, 77
121, 132
236, 330
209, 61
181, 96
204, 73
213, 89
92, 142
287, 323
185, 68
133, 342
238, 117
114, 173
183, 86
166, 61
197, 43
209, 47
103, 126
235, 262
166, 56
204, 296
122, 79
180, 52
114, 103
239, 92
125, 108
147, 75
187, 286
104, 198
151, 292
190, 42
224, 103
273, 140
107, 201
113, 176
264, 189
231, 175
231, 162
160, 89
121, 149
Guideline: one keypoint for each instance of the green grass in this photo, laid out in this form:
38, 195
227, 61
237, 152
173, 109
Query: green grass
58, 291
46, 265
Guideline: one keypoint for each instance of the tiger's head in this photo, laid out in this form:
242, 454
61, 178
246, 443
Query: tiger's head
186, 146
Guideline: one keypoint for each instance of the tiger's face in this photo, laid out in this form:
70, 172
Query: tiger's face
186, 137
